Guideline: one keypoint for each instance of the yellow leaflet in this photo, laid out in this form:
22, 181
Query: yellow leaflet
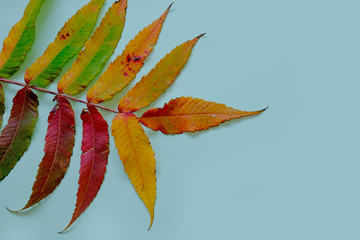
158, 79
125, 67
137, 156
97, 51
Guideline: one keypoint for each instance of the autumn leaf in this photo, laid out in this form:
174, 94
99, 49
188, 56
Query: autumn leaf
59, 143
16, 136
94, 158
97, 51
137, 156
20, 40
186, 114
68, 42
158, 79
125, 67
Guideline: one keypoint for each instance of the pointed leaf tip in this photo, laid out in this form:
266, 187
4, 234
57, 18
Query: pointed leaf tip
264, 109
201, 35
63, 231
13, 211
170, 6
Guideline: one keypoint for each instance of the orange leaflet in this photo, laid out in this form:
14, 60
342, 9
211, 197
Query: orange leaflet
158, 79
186, 114
59, 143
125, 67
94, 158
137, 156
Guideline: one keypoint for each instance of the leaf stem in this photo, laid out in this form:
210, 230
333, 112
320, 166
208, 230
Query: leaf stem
56, 94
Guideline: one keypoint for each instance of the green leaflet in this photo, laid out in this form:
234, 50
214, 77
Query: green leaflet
16, 135
68, 42
96, 52
20, 40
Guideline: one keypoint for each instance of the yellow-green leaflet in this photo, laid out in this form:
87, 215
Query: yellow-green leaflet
68, 42
20, 40
97, 51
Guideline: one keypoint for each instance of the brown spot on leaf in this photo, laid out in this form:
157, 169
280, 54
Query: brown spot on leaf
133, 58
136, 59
64, 36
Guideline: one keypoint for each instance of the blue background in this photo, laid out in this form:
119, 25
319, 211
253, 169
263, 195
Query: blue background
290, 173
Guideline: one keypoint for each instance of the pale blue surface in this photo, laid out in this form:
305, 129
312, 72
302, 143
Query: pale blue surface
291, 173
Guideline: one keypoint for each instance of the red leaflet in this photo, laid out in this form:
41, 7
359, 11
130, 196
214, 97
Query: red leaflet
16, 135
58, 149
94, 157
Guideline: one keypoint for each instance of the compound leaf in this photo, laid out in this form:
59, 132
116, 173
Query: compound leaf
15, 138
97, 51
68, 42
186, 114
125, 67
137, 156
158, 79
94, 158
59, 143
20, 40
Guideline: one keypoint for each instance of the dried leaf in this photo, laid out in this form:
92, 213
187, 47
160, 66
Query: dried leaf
97, 51
186, 114
20, 40
125, 67
158, 79
137, 156
68, 42
95, 151
59, 143
16, 136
